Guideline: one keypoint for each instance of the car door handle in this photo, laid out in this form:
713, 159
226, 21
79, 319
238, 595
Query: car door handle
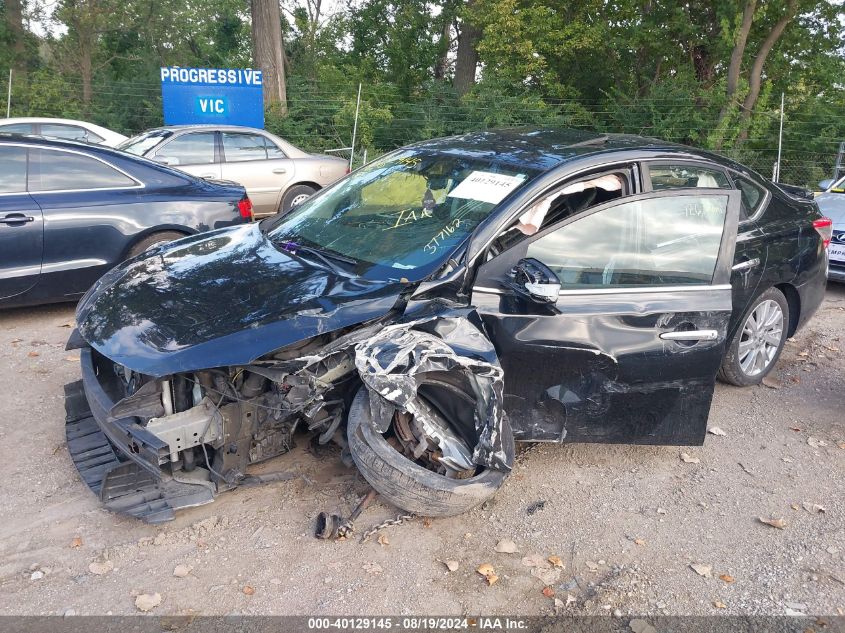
690, 335
208, 176
16, 218
280, 170
748, 264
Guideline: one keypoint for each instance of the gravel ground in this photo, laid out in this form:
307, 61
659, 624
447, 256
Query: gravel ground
628, 523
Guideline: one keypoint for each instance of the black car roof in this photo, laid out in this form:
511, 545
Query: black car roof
540, 148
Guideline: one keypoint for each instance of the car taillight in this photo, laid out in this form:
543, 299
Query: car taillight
825, 228
245, 208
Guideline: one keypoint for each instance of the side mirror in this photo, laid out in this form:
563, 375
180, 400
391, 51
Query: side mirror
166, 160
534, 278
825, 184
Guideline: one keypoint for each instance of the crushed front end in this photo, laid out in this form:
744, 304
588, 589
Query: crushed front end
149, 446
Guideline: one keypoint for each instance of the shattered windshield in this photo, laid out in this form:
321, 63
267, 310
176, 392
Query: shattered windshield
401, 215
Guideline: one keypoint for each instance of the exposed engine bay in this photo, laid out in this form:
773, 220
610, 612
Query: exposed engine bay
206, 428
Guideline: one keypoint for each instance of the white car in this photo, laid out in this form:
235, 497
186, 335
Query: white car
67, 129
832, 204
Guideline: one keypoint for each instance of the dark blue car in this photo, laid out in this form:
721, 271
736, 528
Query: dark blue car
70, 211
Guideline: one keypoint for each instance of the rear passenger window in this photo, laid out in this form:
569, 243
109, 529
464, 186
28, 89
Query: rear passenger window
51, 170
12, 169
70, 132
17, 128
751, 195
59, 130
686, 177
243, 147
273, 151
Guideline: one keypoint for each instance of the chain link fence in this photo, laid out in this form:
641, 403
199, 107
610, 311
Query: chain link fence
320, 117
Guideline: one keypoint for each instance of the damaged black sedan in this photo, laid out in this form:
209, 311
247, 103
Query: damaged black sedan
435, 306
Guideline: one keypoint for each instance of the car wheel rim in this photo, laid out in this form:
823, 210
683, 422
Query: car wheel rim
760, 340
297, 200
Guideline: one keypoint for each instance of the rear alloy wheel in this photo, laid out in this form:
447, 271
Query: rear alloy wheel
295, 196
757, 344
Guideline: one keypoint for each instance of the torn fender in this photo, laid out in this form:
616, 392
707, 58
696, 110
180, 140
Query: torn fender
394, 362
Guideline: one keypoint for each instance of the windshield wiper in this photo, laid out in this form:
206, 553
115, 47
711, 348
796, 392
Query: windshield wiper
323, 254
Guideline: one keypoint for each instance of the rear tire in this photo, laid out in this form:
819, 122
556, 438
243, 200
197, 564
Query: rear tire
755, 347
408, 485
152, 240
295, 196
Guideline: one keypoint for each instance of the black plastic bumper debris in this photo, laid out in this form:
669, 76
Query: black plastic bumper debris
121, 485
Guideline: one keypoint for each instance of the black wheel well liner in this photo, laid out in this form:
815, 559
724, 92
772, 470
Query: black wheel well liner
794, 301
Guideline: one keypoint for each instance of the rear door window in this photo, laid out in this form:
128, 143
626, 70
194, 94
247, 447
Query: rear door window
17, 128
189, 149
273, 150
69, 132
12, 169
51, 170
751, 199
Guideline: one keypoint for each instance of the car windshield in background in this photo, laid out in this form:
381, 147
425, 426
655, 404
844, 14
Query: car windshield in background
141, 144
402, 215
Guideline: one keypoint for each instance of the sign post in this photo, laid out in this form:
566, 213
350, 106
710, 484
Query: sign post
222, 96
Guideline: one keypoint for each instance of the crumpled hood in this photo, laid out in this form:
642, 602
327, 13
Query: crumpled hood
221, 298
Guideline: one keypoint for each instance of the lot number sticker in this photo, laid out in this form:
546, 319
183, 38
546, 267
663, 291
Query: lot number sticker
485, 186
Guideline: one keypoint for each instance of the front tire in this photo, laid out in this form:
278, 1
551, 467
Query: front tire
408, 485
758, 342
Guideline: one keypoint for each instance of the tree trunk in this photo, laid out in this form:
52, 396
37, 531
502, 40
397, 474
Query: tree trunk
269, 51
86, 70
755, 77
314, 8
466, 60
443, 51
739, 47
735, 66
703, 64
14, 21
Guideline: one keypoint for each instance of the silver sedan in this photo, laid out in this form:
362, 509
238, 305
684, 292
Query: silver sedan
277, 176
832, 204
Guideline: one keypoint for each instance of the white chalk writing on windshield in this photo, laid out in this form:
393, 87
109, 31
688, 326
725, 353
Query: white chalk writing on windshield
408, 216
442, 234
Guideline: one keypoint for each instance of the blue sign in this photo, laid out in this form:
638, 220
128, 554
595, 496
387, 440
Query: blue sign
223, 96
